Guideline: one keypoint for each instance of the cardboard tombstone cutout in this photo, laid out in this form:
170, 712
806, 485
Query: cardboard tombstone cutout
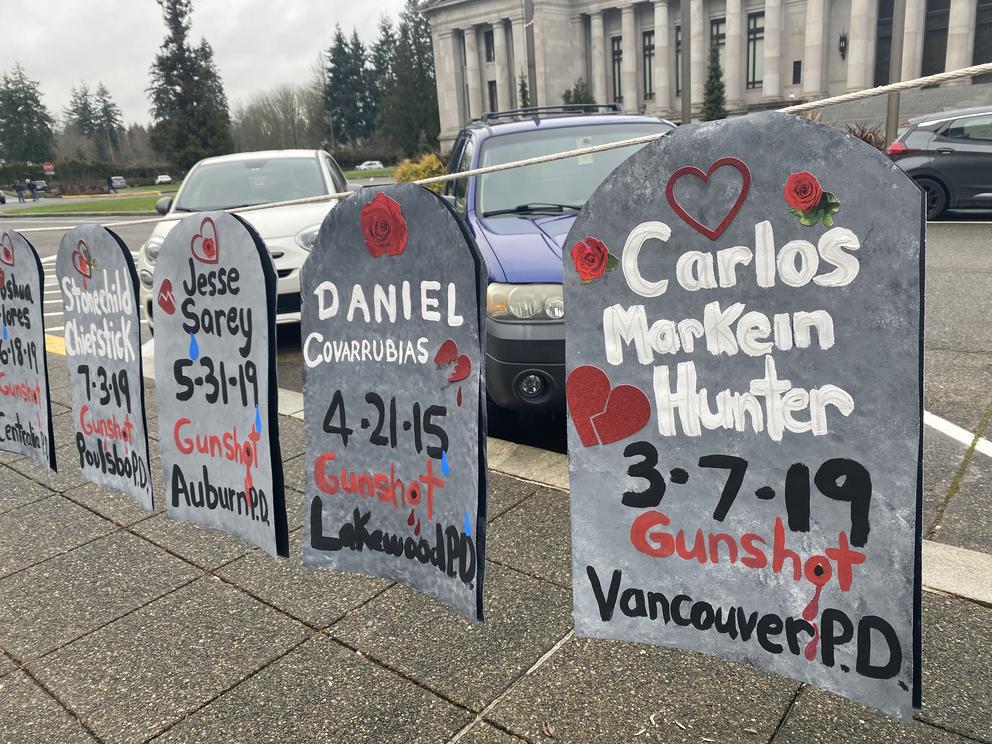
99, 288
393, 364
25, 405
744, 393
215, 294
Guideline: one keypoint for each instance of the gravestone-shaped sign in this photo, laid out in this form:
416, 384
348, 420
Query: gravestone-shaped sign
393, 362
25, 405
744, 393
215, 378
99, 288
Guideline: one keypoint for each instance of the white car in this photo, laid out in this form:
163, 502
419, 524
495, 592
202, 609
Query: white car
370, 165
244, 179
118, 182
159, 180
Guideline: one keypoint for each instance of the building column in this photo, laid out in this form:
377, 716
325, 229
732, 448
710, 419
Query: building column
771, 86
815, 57
580, 68
519, 34
628, 63
504, 80
698, 24
597, 57
662, 61
451, 109
859, 65
960, 38
734, 65
912, 45
472, 73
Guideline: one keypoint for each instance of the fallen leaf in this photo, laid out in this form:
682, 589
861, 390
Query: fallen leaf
549, 730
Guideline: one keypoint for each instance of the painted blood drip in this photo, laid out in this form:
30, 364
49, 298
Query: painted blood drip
249, 462
811, 611
416, 530
458, 398
409, 520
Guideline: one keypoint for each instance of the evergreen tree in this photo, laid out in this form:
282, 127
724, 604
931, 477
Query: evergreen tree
344, 91
411, 121
578, 93
79, 113
380, 74
107, 124
523, 94
27, 129
714, 97
189, 107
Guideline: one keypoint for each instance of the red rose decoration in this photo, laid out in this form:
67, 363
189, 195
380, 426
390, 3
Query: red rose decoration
803, 191
209, 248
591, 258
383, 226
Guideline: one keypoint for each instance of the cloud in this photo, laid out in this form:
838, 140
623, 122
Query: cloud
258, 44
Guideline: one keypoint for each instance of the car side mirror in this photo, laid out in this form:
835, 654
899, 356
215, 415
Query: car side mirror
162, 205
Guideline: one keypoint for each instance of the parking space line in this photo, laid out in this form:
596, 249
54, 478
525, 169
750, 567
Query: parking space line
957, 433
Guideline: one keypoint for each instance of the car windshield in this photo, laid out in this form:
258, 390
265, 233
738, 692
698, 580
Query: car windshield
567, 182
240, 183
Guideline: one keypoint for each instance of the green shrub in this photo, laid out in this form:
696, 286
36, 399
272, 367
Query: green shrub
428, 166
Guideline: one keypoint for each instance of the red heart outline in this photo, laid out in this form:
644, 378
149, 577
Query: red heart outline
166, 298
7, 254
204, 246
81, 259
601, 413
462, 369
716, 232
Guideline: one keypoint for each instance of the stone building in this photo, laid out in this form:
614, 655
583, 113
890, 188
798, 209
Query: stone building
772, 51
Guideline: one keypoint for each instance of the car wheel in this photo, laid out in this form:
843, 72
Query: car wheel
936, 196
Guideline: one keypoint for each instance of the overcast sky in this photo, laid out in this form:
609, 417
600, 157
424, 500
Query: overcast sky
258, 44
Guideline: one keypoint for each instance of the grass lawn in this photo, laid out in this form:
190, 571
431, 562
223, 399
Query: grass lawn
125, 204
354, 175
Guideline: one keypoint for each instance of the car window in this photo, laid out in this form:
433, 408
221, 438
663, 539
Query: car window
454, 160
340, 182
461, 185
568, 181
971, 128
236, 183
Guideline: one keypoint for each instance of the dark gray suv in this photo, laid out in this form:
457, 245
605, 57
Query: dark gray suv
949, 155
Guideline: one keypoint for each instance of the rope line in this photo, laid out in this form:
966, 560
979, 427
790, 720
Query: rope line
942, 77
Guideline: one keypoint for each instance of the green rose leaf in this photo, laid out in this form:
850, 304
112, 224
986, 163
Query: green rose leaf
612, 262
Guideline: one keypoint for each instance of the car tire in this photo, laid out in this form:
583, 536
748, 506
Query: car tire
936, 196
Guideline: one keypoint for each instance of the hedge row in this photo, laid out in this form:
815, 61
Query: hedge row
71, 171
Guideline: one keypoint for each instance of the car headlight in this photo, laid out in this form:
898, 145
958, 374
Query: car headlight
525, 302
307, 238
152, 247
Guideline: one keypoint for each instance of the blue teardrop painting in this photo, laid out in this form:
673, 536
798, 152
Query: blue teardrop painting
6, 333
194, 347
444, 463
258, 420
468, 523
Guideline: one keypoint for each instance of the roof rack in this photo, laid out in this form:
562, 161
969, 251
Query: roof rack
565, 109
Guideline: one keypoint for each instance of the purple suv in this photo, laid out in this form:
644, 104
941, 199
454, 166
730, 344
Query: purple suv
520, 218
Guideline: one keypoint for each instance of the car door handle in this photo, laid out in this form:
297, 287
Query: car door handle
945, 150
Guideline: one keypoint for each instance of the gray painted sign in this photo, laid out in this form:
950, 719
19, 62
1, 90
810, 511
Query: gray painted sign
25, 406
215, 293
99, 288
744, 392
393, 395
